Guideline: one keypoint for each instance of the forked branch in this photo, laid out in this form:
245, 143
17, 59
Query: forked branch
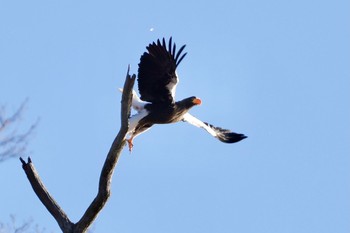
105, 178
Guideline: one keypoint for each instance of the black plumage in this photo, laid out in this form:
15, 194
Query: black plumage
156, 74
157, 80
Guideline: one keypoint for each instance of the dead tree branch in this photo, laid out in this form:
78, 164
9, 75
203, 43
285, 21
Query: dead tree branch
40, 190
104, 189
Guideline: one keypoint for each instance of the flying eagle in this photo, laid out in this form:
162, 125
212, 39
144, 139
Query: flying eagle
157, 80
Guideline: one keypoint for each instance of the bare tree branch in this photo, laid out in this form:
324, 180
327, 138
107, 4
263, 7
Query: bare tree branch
105, 178
14, 227
44, 196
111, 160
12, 143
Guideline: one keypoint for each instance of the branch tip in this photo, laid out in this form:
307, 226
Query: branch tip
128, 69
22, 161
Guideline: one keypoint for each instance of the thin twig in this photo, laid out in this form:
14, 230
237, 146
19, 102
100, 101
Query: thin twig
13, 143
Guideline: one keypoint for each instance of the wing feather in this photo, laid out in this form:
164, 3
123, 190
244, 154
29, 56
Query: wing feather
157, 77
223, 135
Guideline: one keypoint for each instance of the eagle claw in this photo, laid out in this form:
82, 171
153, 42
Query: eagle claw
130, 144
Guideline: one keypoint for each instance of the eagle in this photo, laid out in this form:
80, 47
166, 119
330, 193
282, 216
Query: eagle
157, 80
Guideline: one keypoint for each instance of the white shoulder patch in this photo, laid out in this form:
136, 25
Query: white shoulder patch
196, 122
172, 86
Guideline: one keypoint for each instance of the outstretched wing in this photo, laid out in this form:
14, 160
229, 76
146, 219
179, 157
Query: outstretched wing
157, 78
223, 135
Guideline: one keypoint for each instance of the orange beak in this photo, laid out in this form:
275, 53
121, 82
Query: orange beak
197, 101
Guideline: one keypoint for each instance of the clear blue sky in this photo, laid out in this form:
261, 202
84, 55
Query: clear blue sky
277, 71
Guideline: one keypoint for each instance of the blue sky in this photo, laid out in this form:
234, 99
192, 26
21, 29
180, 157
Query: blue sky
277, 71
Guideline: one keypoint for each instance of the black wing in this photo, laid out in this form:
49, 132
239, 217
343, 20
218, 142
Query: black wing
156, 76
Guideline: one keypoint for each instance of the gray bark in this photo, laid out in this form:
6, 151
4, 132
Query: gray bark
66, 225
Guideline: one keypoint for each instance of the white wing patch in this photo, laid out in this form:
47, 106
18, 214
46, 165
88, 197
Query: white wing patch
139, 106
134, 120
196, 122
137, 103
172, 86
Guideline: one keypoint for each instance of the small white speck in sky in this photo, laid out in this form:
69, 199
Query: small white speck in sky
151, 29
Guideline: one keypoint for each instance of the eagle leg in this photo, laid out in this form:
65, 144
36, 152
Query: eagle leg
130, 144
